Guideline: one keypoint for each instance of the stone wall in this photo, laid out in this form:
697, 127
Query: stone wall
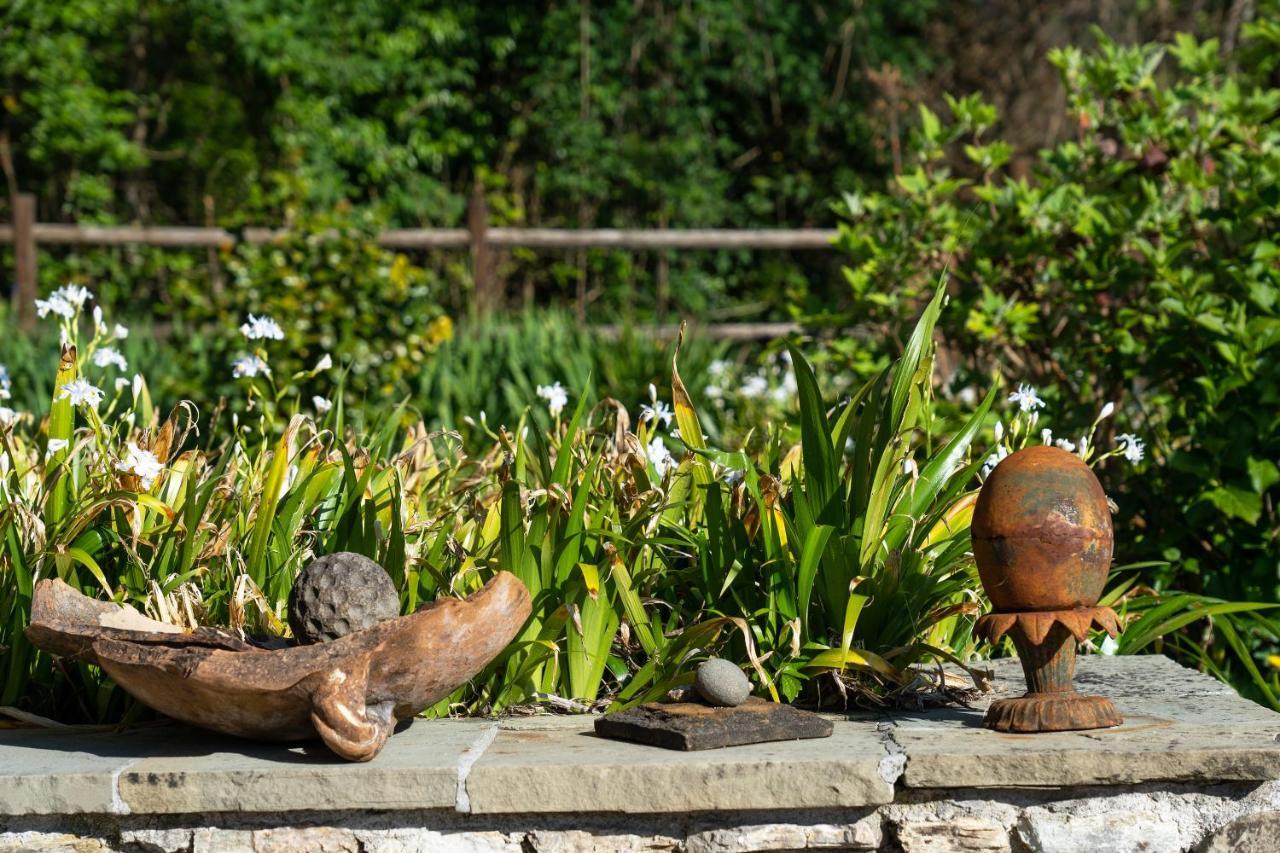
1194, 767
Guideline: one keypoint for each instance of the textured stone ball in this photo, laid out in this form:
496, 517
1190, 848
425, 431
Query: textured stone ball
338, 595
1042, 534
719, 682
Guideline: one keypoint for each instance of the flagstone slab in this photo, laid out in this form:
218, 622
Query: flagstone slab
419, 771
570, 768
1179, 725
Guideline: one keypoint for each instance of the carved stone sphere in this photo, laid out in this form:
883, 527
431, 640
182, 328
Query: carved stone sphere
338, 595
1042, 533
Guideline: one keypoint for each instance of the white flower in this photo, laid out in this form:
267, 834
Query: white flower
80, 392
55, 304
1026, 398
138, 384
1109, 646
110, 355
1107, 411
8, 417
142, 463
993, 460
1134, 448
249, 366
258, 328
99, 326
659, 456
659, 411
556, 397
325, 362
1063, 444
120, 332
322, 405
73, 294
786, 390
55, 445
1082, 447
754, 387
998, 432
122, 383
718, 369
1046, 436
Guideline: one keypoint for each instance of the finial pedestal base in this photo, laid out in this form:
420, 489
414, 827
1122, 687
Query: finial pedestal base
1046, 643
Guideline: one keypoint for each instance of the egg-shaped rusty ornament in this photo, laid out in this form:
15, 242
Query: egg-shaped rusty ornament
1042, 539
1042, 533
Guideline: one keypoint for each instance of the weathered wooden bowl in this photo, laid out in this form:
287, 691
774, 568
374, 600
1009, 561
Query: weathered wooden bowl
350, 692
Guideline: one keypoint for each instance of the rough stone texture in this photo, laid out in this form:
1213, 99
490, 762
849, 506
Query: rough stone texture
1255, 833
1179, 726
338, 594
720, 682
547, 784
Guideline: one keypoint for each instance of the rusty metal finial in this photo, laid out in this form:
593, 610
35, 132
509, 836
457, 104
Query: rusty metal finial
1042, 539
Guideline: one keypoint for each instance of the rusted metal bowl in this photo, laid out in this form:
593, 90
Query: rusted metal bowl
350, 692
1042, 535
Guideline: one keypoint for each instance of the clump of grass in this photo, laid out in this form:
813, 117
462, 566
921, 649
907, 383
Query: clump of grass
645, 547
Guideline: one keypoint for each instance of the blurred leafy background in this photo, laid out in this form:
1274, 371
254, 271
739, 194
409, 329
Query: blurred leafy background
1100, 181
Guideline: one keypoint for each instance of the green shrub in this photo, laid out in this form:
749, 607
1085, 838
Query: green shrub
1137, 263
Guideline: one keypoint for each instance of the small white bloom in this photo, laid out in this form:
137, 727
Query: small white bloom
659, 456
8, 417
138, 384
56, 445
785, 391
120, 332
659, 411
1026, 398
999, 431
1109, 646
1107, 411
258, 328
74, 295
80, 392
122, 383
1046, 436
556, 398
993, 460
110, 355
325, 362
1082, 447
718, 369
1134, 448
1063, 444
322, 404
249, 366
54, 305
98, 326
141, 463
754, 387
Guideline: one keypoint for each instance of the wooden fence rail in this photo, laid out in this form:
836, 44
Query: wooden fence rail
25, 233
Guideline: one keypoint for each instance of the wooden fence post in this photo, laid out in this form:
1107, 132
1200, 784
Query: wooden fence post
664, 277
24, 260
481, 254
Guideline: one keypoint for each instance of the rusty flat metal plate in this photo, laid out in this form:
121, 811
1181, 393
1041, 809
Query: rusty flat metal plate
692, 726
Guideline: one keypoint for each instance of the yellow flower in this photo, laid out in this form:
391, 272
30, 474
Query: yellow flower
1274, 660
